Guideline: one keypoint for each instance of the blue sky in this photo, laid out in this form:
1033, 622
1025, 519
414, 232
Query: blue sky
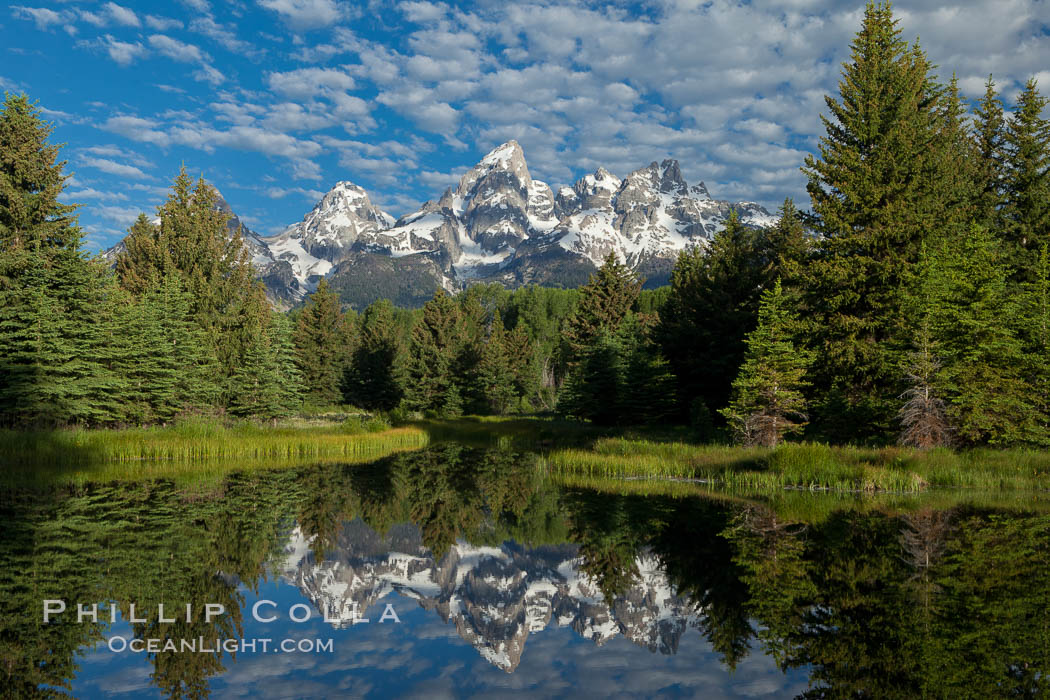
277, 100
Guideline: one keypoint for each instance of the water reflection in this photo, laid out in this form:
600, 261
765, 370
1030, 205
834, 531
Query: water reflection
495, 596
947, 602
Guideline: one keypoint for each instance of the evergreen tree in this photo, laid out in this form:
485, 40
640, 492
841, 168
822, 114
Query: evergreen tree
1035, 334
289, 379
594, 389
1026, 182
988, 133
254, 386
150, 363
31, 180
372, 380
54, 365
604, 302
192, 241
712, 307
648, 393
882, 182
923, 417
785, 246
268, 385
321, 343
476, 309
974, 324
525, 366
434, 349
767, 399
495, 374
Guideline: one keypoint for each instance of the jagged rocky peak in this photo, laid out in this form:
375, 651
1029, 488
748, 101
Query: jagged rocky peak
502, 166
327, 234
494, 199
663, 178
596, 190
542, 208
496, 224
342, 216
699, 191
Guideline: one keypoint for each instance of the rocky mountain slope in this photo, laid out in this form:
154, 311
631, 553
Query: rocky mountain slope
497, 225
495, 596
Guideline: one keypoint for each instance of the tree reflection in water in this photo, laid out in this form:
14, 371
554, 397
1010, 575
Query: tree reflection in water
926, 603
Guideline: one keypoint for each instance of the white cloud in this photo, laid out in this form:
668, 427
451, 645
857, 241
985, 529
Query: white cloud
421, 12
175, 49
305, 14
281, 192
89, 193
209, 74
138, 129
10, 85
310, 82
162, 24
122, 52
122, 15
92, 18
224, 36
114, 168
111, 151
124, 216
41, 16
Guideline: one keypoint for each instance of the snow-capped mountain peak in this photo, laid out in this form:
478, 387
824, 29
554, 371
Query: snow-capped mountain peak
344, 216
497, 225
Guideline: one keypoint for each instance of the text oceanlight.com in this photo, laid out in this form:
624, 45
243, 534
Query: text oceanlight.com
201, 645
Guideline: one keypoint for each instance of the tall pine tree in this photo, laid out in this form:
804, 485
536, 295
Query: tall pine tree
322, 338
975, 323
881, 184
54, 367
372, 378
437, 340
767, 400
605, 301
988, 132
1026, 182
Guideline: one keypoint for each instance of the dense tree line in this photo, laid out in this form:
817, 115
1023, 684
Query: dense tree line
179, 327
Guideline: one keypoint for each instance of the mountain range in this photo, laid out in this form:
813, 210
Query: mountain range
495, 596
497, 225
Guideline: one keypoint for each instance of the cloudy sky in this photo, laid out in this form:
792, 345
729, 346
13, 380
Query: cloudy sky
277, 100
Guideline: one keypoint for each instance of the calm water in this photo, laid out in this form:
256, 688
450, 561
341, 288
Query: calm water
480, 577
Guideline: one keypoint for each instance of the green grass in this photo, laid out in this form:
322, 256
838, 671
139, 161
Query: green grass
195, 446
795, 505
809, 466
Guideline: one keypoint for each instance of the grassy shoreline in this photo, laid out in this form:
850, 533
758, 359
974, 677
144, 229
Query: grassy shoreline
204, 448
813, 467
572, 451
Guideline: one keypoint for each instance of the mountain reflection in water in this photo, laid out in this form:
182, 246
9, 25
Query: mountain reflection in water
636, 594
495, 596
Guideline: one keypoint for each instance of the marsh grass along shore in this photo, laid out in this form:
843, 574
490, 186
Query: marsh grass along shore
810, 466
194, 448
575, 452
